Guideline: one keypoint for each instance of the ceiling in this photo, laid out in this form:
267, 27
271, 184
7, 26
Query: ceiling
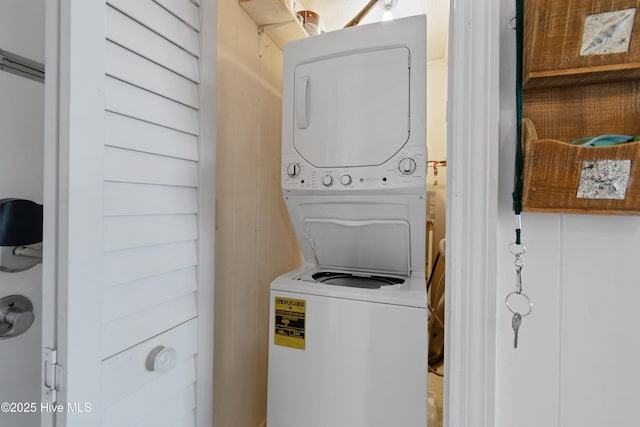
334, 14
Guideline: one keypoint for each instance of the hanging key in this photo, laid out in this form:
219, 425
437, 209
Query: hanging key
515, 324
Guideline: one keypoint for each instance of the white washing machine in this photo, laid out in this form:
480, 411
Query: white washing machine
348, 335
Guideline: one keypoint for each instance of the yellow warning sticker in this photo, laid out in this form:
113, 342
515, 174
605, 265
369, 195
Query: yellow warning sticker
290, 322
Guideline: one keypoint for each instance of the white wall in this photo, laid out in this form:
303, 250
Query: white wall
255, 241
576, 362
21, 121
22, 28
437, 147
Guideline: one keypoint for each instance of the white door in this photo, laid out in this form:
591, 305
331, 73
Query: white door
21, 159
128, 178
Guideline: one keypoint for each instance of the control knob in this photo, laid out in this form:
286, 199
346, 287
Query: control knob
407, 166
327, 180
293, 170
345, 179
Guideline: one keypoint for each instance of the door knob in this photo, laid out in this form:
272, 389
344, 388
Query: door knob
16, 316
161, 359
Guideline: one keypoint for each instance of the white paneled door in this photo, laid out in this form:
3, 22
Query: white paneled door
129, 125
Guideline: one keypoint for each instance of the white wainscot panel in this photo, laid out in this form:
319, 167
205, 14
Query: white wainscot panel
127, 132
599, 349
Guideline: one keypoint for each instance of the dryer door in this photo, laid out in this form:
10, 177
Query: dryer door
352, 110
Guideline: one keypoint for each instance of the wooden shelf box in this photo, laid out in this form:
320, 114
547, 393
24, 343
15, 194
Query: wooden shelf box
563, 178
576, 42
581, 78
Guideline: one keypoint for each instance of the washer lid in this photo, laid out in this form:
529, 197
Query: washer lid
373, 246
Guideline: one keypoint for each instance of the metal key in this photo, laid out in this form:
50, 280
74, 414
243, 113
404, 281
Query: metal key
515, 324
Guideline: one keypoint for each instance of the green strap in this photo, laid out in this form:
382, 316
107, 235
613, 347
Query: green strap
517, 192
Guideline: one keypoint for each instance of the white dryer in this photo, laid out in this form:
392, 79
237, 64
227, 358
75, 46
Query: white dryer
348, 330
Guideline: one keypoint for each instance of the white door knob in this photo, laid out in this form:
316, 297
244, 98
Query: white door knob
161, 359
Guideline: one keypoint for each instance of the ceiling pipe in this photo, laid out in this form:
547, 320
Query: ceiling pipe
356, 20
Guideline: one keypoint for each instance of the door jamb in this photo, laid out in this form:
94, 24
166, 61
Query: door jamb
472, 211
206, 209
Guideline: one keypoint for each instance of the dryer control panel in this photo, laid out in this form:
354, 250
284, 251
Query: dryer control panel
404, 171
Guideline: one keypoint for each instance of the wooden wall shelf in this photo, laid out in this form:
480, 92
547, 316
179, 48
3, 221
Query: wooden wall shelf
581, 78
557, 40
275, 19
554, 177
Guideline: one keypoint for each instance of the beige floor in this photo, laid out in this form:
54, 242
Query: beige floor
436, 385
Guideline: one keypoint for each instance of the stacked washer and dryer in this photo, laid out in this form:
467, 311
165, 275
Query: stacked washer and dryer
348, 335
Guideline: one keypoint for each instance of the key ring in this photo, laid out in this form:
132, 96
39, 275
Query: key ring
517, 249
525, 296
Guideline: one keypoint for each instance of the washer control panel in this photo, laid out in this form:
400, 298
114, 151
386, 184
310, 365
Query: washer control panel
405, 170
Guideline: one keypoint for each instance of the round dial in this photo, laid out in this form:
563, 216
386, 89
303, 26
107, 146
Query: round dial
327, 180
293, 170
407, 166
345, 179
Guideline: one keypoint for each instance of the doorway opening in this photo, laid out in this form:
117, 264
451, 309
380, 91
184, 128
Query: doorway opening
331, 15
